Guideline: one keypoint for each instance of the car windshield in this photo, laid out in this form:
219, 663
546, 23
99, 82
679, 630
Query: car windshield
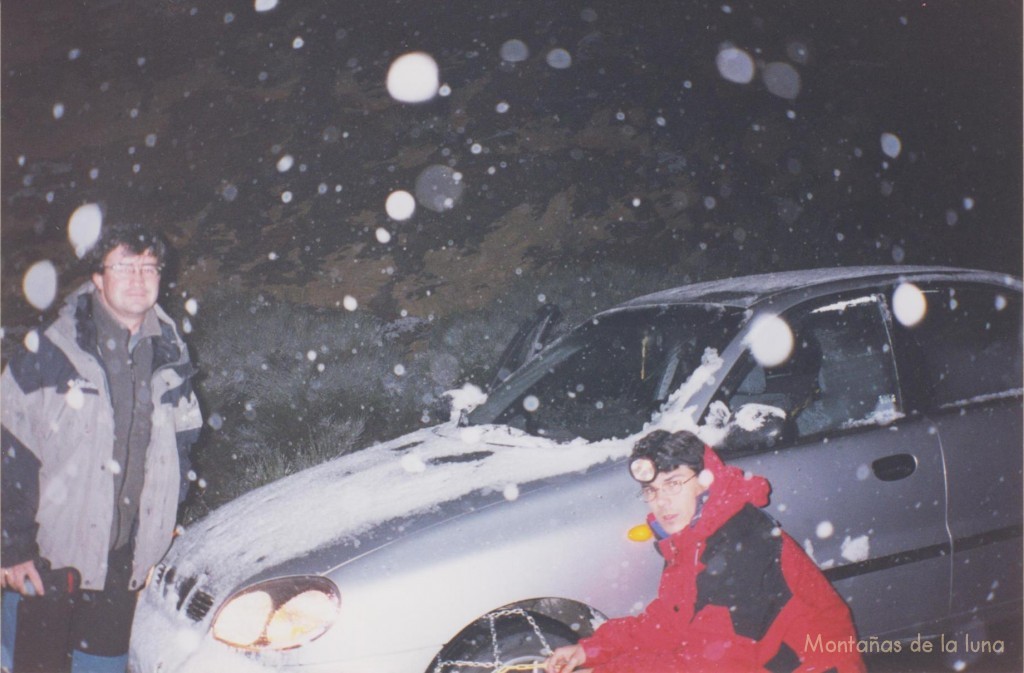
607, 377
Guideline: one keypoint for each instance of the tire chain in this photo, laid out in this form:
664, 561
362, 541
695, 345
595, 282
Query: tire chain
496, 665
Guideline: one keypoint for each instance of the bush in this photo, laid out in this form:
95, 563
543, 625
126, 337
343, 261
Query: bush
286, 386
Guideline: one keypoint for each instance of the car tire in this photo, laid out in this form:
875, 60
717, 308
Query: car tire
517, 640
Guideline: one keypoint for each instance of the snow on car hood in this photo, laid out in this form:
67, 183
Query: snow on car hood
351, 494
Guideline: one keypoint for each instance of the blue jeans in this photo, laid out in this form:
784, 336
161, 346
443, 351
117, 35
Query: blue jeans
8, 625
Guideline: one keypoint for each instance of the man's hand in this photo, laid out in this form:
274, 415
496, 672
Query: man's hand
566, 659
18, 578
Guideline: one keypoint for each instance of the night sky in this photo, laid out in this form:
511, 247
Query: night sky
639, 155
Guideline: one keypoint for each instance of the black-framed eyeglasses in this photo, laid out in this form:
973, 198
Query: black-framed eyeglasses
125, 270
671, 487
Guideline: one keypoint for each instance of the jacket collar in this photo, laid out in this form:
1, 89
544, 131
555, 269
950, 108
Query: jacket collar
729, 491
76, 323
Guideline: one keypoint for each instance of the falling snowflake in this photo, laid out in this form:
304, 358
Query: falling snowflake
413, 78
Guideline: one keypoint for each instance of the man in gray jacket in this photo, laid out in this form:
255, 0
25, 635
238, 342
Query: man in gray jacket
98, 415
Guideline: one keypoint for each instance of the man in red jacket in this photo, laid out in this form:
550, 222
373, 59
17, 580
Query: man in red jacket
736, 594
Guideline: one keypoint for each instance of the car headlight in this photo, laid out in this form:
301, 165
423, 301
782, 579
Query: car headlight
278, 614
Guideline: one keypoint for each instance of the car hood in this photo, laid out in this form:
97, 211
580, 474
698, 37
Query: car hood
345, 499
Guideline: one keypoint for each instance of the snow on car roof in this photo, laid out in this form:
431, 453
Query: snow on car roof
744, 291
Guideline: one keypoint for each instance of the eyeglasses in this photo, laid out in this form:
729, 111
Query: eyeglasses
670, 487
125, 270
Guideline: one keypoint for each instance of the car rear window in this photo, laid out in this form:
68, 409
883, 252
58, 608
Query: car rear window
839, 375
967, 348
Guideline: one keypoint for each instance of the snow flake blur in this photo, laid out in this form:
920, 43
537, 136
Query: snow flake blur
797, 52
735, 65
514, 51
75, 398
559, 59
891, 145
770, 341
84, 228
40, 284
439, 188
782, 79
909, 304
400, 205
413, 464
31, 341
413, 78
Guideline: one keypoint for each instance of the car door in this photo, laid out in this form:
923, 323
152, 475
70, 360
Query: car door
962, 364
854, 480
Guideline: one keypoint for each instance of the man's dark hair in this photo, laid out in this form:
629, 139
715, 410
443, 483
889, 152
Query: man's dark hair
138, 238
670, 450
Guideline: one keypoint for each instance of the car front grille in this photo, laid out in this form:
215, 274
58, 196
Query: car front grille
190, 597
199, 606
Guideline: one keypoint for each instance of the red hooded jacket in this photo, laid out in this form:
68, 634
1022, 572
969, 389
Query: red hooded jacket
737, 594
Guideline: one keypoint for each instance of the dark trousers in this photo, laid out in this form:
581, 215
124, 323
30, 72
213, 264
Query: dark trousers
50, 628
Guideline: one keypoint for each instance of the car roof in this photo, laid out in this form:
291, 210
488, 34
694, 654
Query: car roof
746, 291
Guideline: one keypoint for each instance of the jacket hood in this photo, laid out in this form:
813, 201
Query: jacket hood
729, 490
76, 301
170, 348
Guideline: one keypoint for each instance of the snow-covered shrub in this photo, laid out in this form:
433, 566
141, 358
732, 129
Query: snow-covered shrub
285, 386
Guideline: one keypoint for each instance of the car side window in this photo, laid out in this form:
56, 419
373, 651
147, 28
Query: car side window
965, 348
840, 373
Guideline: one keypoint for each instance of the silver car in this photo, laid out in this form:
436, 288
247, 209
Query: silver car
883, 404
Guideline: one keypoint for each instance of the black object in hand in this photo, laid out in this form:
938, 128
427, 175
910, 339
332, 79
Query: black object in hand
56, 581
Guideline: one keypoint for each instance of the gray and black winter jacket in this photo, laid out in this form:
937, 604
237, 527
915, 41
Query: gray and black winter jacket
57, 444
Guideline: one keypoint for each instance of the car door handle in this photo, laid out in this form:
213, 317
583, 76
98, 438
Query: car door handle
894, 468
